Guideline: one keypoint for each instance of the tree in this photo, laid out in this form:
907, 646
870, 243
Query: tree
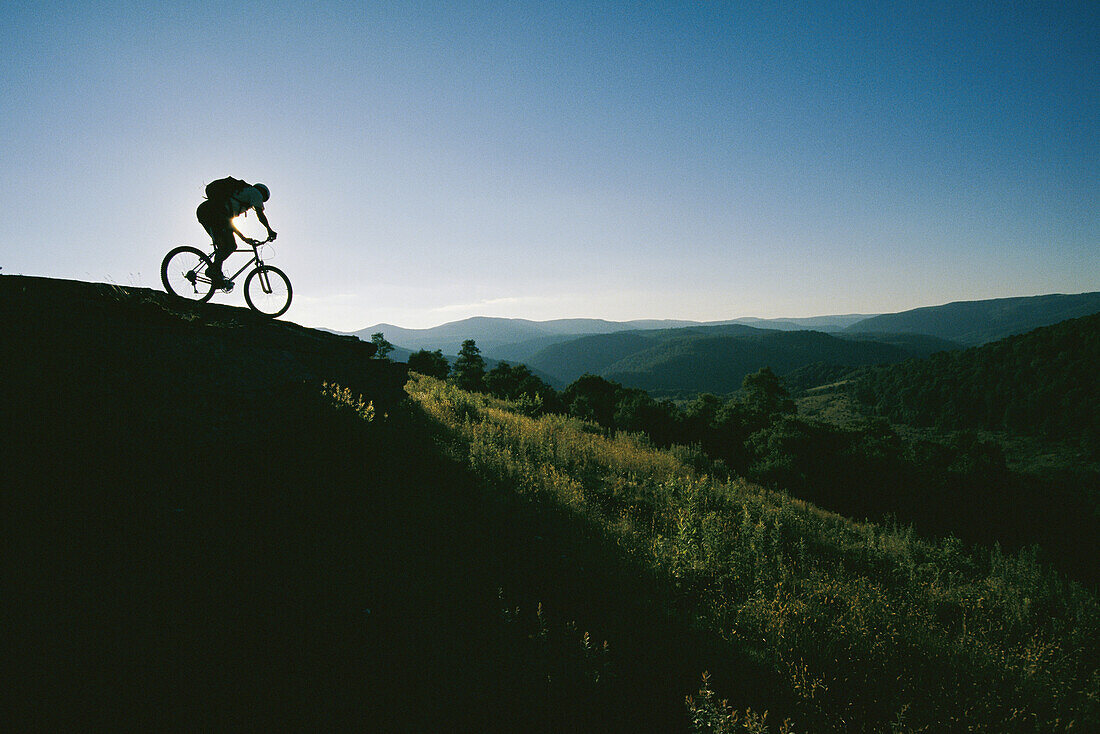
765, 394
700, 414
432, 364
383, 346
592, 398
519, 383
503, 381
635, 410
469, 369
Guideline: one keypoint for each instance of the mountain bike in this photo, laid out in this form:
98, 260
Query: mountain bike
266, 288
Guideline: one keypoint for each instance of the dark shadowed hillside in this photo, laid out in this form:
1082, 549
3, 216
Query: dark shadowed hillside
977, 322
196, 538
202, 532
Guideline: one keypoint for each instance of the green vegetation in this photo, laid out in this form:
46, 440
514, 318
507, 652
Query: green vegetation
382, 347
516, 383
1043, 383
345, 403
468, 370
432, 364
868, 626
715, 716
839, 458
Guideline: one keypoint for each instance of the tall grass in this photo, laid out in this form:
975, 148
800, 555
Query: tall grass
871, 627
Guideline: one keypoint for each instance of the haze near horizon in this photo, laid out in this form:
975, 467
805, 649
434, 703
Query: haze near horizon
697, 161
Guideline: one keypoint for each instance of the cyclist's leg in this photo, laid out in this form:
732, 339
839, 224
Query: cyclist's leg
224, 246
216, 224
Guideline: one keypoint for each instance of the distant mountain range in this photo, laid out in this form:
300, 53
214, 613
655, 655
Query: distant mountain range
493, 333
516, 339
676, 357
973, 323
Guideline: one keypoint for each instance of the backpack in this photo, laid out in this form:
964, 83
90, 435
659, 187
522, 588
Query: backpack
222, 189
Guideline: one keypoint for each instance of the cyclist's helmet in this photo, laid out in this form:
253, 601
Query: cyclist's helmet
263, 190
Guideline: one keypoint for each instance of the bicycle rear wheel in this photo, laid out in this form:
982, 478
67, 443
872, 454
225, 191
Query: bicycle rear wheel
267, 291
183, 273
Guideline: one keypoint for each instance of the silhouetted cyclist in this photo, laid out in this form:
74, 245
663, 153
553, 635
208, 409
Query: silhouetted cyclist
228, 198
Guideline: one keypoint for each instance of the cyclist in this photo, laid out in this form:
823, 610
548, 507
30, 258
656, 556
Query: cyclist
216, 217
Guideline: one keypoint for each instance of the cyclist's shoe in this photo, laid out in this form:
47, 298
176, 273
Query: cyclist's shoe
219, 280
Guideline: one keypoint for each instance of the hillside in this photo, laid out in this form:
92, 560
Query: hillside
976, 322
719, 364
1044, 383
827, 324
592, 354
715, 358
867, 627
196, 538
201, 532
188, 535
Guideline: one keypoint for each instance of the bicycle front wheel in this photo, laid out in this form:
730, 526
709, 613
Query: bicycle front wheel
267, 291
183, 273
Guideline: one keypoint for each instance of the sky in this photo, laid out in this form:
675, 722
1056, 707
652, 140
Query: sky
621, 160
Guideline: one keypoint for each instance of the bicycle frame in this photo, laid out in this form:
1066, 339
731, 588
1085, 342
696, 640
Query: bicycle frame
254, 261
265, 281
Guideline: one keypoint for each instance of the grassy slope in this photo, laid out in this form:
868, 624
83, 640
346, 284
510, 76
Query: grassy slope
195, 539
869, 628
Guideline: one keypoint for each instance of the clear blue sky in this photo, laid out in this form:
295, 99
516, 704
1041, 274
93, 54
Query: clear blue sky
433, 161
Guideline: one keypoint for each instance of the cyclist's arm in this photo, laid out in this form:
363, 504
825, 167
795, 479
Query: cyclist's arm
263, 220
238, 232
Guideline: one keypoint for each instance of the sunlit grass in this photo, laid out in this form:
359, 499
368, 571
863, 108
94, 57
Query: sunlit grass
343, 401
871, 626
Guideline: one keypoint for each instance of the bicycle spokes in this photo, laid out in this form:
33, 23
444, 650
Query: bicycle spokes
267, 291
183, 273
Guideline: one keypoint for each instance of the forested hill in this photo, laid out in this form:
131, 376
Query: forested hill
1045, 382
977, 322
715, 359
718, 364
